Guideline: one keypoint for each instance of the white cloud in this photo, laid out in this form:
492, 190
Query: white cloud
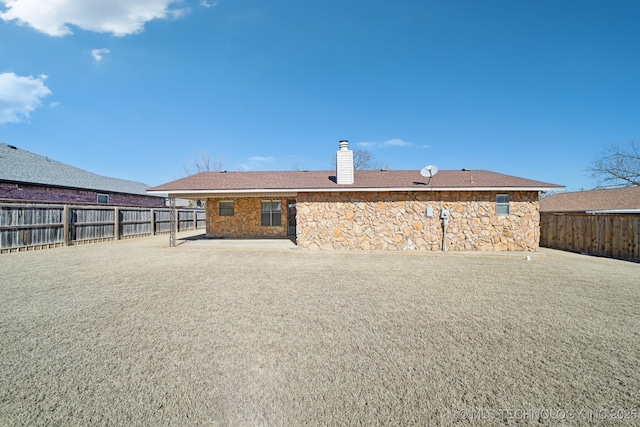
209, 3
395, 142
259, 159
118, 17
97, 53
367, 144
19, 96
255, 162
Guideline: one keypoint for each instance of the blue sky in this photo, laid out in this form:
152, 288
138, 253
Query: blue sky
137, 89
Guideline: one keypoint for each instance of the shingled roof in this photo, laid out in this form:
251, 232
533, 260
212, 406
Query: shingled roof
24, 167
379, 180
626, 198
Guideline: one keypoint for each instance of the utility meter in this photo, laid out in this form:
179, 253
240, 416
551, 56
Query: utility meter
444, 214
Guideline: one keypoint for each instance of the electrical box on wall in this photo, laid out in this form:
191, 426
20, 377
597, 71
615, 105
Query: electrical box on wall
444, 214
429, 212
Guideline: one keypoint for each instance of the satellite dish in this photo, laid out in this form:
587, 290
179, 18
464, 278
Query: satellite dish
429, 171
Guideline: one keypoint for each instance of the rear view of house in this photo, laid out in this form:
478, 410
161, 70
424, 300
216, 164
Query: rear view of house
370, 210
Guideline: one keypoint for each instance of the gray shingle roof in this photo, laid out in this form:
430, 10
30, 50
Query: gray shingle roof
22, 166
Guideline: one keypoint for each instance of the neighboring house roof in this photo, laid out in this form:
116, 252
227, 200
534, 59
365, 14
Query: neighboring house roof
220, 183
626, 198
21, 166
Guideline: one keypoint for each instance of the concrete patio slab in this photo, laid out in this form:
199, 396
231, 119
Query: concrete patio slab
200, 240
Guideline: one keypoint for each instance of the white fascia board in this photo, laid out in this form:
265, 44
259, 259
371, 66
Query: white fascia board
614, 211
346, 189
457, 189
244, 190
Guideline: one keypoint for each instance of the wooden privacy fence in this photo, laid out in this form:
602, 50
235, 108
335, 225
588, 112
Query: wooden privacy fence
609, 235
27, 225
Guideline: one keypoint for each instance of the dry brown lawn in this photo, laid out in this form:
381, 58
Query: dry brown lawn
137, 333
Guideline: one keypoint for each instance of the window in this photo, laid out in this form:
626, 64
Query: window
271, 213
502, 204
102, 198
225, 208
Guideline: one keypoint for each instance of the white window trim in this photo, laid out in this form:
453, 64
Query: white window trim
271, 212
503, 205
233, 205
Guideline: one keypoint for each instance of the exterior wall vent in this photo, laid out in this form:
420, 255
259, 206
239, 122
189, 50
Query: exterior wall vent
344, 164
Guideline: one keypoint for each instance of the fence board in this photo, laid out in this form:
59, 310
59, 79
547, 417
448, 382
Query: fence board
609, 235
92, 223
135, 222
27, 225
163, 220
30, 225
201, 219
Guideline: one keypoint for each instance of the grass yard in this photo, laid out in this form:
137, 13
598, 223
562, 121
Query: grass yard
136, 333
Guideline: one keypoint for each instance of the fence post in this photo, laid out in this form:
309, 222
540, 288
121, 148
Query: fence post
173, 222
153, 222
116, 223
65, 225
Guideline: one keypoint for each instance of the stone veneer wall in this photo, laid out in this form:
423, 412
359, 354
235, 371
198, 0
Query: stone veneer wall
397, 221
246, 220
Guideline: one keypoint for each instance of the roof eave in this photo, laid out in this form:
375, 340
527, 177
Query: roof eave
613, 211
68, 187
173, 193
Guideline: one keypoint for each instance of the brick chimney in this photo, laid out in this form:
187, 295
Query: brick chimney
344, 164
